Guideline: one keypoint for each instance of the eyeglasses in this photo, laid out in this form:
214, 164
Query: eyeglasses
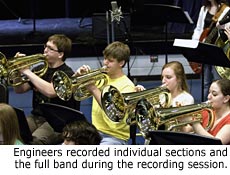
50, 48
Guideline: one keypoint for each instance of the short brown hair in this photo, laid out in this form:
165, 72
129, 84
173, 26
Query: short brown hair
118, 51
82, 133
224, 85
63, 43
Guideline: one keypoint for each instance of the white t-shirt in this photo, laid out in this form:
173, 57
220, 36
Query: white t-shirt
182, 99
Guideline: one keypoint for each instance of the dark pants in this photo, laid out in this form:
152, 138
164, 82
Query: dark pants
42, 132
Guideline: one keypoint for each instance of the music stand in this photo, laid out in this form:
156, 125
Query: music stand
58, 116
162, 137
4, 93
25, 132
163, 14
204, 53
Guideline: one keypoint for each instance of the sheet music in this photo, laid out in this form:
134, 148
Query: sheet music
188, 43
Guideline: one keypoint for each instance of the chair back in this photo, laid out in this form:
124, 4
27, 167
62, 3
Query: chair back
4, 93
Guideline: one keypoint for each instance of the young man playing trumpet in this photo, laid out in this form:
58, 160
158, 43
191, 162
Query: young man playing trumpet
116, 55
56, 50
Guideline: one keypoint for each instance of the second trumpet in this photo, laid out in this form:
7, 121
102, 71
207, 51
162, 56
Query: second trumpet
65, 87
118, 105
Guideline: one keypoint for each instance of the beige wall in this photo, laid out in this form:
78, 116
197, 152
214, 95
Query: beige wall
140, 65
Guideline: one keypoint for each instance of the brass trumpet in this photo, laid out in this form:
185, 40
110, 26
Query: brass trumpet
9, 68
117, 106
224, 72
150, 119
65, 87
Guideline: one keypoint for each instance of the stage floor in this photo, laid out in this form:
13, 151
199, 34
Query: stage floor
19, 34
29, 31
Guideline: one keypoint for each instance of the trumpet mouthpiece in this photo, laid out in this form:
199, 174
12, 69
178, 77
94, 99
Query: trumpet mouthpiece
207, 102
104, 69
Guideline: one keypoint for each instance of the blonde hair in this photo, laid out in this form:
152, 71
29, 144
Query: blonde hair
9, 126
178, 69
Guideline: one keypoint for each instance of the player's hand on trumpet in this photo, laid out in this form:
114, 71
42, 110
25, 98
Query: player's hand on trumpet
82, 70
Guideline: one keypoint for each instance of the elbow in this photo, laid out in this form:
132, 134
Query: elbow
22, 88
19, 90
51, 95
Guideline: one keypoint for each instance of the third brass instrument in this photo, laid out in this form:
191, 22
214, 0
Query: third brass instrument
224, 72
9, 68
65, 87
117, 105
150, 119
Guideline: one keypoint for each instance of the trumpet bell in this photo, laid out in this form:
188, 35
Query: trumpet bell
224, 72
62, 85
3, 61
113, 103
173, 118
118, 105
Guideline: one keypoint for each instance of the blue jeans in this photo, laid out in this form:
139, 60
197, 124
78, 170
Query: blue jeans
110, 140
210, 74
